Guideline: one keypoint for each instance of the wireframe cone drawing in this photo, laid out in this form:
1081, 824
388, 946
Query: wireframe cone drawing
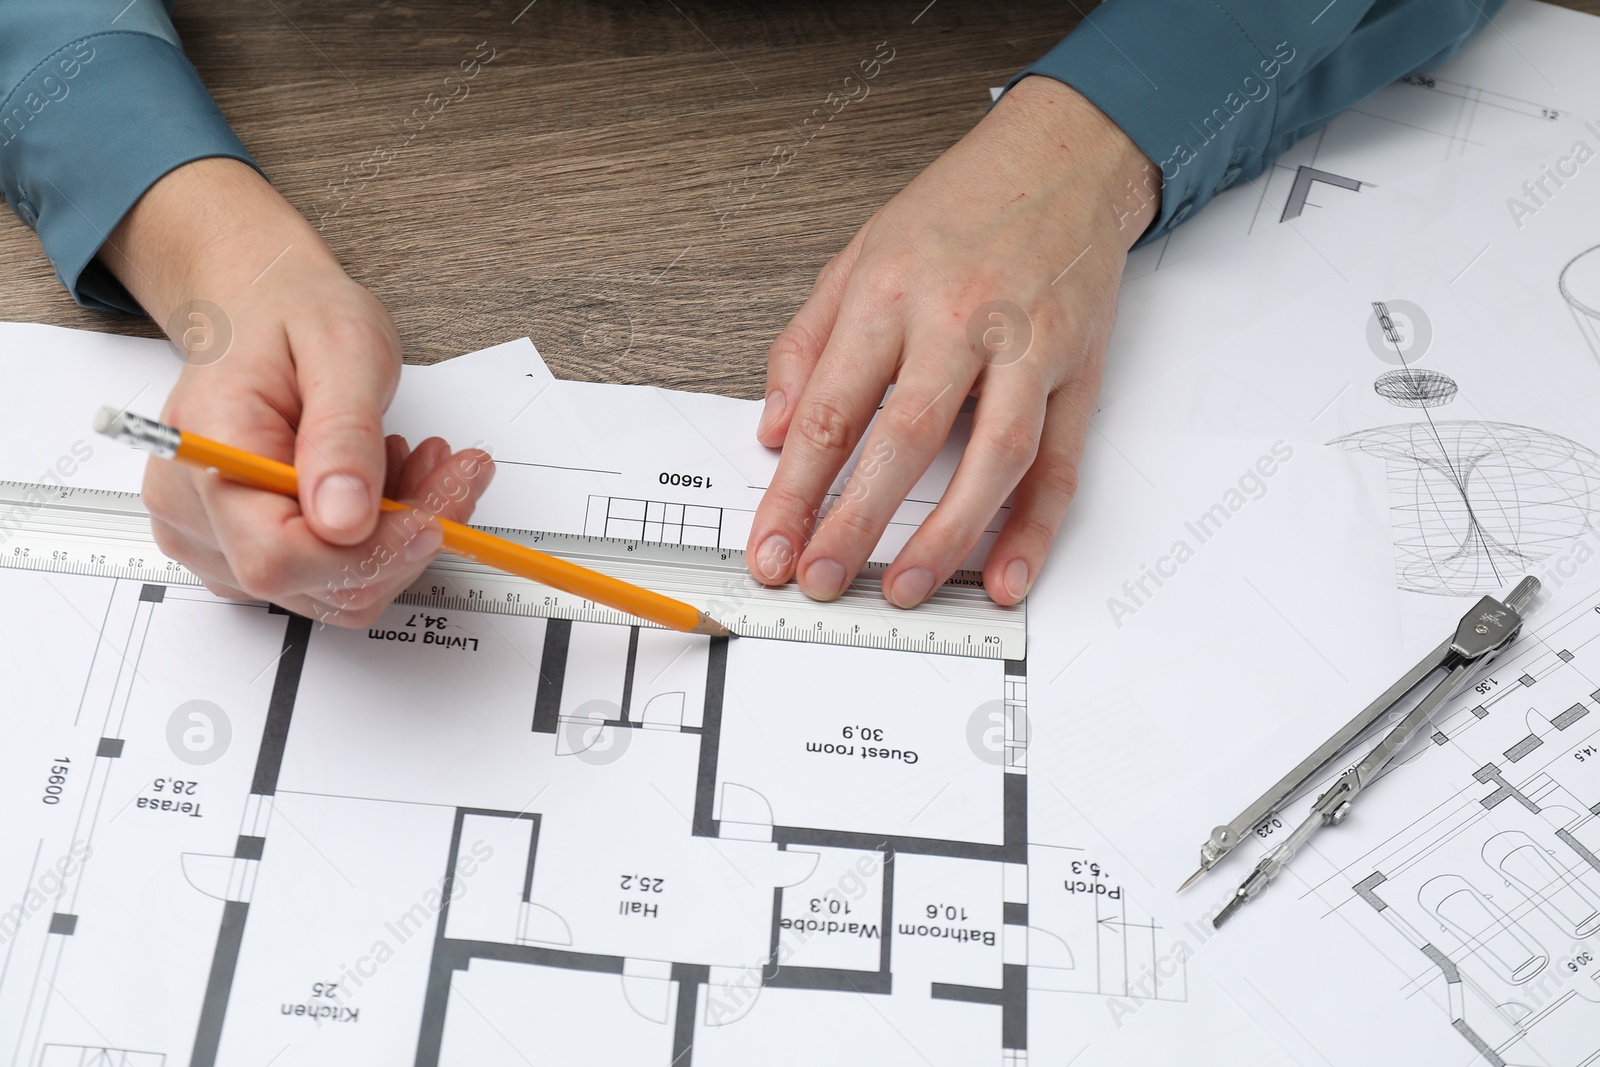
1474, 503
1580, 287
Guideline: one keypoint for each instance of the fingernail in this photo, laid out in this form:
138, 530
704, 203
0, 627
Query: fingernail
911, 587
773, 557
1015, 579
425, 544
824, 579
770, 413
343, 502
473, 462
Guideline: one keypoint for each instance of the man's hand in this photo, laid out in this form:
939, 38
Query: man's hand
289, 358
993, 273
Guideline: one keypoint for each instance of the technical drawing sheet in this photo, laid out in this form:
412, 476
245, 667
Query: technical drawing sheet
1384, 168
462, 837
1272, 534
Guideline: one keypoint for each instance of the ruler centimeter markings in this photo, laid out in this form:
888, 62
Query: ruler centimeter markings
107, 534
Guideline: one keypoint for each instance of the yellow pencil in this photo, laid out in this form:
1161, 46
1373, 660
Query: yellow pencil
259, 472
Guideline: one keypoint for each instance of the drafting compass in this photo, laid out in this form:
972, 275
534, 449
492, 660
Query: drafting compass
1482, 634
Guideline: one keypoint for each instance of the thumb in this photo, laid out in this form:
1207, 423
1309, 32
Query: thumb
347, 376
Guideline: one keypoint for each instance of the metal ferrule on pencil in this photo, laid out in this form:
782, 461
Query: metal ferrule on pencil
145, 434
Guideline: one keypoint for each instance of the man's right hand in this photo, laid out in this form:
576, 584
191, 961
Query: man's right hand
288, 358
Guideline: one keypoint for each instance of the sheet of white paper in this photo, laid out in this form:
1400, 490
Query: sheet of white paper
1309, 590
515, 359
231, 835
67, 375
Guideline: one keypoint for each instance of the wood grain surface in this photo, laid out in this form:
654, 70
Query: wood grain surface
598, 185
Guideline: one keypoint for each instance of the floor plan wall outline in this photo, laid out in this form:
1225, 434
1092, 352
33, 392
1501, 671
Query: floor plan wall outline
677, 861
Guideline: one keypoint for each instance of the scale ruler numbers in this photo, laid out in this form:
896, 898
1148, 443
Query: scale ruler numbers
107, 534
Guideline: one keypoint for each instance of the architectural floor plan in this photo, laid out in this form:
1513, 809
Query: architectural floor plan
464, 835
477, 838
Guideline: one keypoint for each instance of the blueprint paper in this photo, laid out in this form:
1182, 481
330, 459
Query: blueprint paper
1503, 334
1137, 994
1104, 982
1452, 912
1456, 908
1531, 72
533, 840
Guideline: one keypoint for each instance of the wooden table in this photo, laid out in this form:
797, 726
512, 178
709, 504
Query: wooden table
598, 185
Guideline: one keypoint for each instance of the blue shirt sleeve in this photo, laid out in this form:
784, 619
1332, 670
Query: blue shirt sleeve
99, 102
1212, 91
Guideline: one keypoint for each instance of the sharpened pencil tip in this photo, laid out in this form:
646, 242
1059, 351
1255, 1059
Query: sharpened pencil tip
711, 627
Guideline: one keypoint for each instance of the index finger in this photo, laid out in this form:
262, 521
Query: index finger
832, 413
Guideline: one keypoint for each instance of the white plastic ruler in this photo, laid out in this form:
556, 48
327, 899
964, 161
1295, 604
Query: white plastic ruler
107, 534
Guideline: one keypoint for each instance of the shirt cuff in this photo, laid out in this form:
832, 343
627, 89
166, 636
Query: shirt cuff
87, 132
1186, 83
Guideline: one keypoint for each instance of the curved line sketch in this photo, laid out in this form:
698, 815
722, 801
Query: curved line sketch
538, 924
649, 995
665, 710
1474, 503
1580, 287
1415, 388
1567, 898
1483, 927
1052, 952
